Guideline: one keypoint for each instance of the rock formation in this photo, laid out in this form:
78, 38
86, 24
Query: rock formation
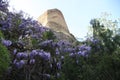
54, 20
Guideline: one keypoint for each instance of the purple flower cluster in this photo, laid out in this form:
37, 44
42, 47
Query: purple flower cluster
94, 41
19, 63
33, 54
20, 59
32, 28
13, 24
59, 44
44, 55
3, 6
7, 22
40, 53
6, 42
82, 50
69, 50
21, 55
63, 43
25, 23
47, 43
32, 61
84, 47
30, 58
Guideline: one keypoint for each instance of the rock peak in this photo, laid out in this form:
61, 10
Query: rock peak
54, 19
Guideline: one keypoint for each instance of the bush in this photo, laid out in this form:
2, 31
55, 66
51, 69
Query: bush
36, 54
48, 35
4, 59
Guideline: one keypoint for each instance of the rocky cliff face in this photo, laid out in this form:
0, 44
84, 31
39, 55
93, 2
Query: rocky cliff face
54, 20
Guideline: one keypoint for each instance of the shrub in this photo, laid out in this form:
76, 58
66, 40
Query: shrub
4, 59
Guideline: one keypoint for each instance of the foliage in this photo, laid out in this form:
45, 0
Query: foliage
104, 52
4, 60
29, 51
4, 57
48, 35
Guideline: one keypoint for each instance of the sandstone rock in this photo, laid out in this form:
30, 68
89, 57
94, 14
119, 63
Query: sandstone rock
54, 20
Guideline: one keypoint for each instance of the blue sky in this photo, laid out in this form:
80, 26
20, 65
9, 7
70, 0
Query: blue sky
77, 13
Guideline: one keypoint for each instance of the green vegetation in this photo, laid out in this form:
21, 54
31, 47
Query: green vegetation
29, 51
4, 59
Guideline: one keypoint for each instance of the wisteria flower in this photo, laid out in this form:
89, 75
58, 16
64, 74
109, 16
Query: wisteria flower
20, 64
32, 61
21, 55
6, 42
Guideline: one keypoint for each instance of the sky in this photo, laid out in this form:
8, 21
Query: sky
77, 13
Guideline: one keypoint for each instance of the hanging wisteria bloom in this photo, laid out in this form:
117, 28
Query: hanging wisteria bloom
83, 50
6, 42
33, 54
46, 43
84, 47
44, 55
63, 43
32, 61
21, 55
3, 6
20, 64
39, 53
